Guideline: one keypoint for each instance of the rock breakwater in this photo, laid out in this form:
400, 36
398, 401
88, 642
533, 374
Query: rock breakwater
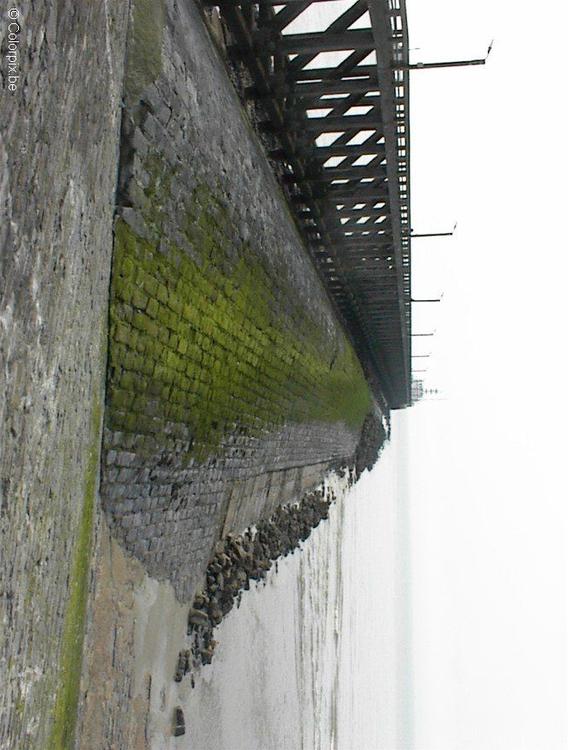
240, 559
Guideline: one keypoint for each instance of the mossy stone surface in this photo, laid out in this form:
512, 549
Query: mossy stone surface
239, 349
144, 50
62, 735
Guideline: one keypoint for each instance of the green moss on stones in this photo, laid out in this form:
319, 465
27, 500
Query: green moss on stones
207, 339
144, 62
71, 654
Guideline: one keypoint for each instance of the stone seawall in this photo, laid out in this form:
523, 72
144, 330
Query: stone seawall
232, 387
59, 144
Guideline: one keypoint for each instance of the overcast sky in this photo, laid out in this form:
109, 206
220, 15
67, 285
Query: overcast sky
488, 491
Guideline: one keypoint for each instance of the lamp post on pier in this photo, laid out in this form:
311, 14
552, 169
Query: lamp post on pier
448, 64
433, 234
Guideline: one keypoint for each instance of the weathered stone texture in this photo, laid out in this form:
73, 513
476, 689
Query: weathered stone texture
58, 150
232, 386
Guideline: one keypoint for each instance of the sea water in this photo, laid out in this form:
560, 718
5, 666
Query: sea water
312, 658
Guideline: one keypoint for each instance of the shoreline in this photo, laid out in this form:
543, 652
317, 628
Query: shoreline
136, 633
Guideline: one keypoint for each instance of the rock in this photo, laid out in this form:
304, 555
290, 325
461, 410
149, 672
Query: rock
183, 665
206, 656
179, 722
220, 548
197, 617
200, 601
241, 575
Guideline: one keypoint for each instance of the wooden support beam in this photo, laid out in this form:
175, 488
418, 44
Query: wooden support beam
356, 213
359, 250
377, 282
382, 29
350, 173
352, 223
288, 14
319, 88
383, 320
358, 246
330, 74
363, 196
262, 81
356, 236
342, 23
322, 41
339, 234
233, 3
340, 105
374, 228
325, 152
375, 268
386, 301
370, 271
285, 2
333, 124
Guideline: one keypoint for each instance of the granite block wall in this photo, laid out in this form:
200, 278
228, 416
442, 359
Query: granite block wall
231, 385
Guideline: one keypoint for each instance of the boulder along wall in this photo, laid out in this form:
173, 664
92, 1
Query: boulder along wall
232, 387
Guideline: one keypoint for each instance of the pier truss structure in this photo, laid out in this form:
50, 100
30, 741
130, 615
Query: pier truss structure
333, 90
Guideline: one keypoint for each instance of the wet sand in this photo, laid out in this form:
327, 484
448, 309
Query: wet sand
253, 695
